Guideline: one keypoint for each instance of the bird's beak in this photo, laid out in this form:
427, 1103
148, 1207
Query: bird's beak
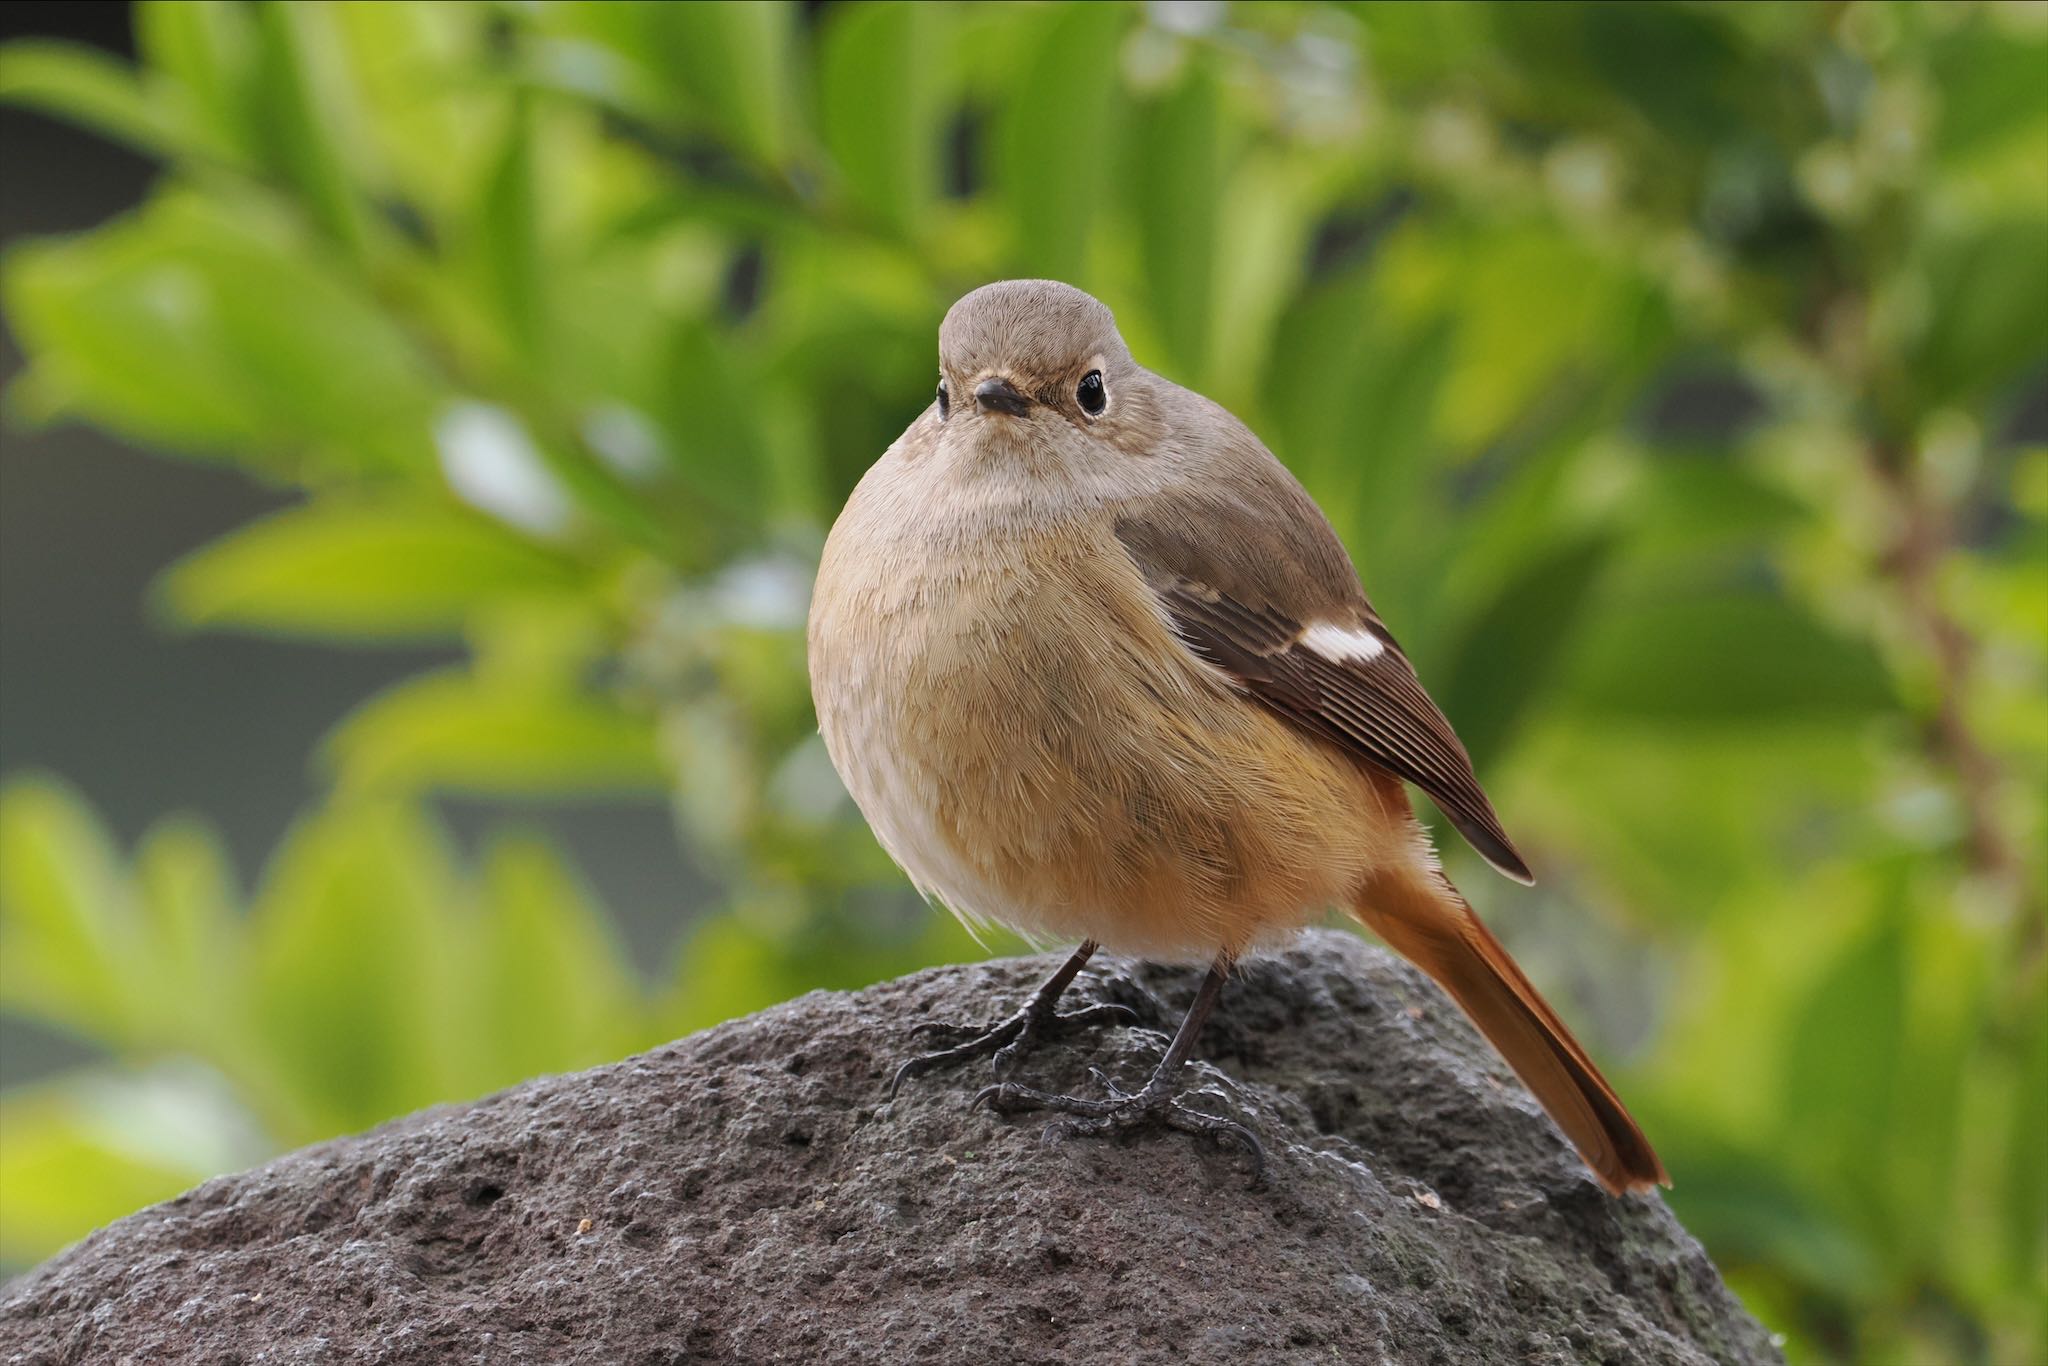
996, 394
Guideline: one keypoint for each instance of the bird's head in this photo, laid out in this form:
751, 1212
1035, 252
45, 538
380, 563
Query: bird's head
1023, 363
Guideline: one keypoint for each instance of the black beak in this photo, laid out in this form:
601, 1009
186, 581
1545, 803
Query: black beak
997, 395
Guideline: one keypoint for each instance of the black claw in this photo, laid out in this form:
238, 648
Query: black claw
918, 1066
993, 1096
1123, 1111
1108, 1084
1224, 1133
1008, 1097
1006, 1042
1154, 1103
1102, 1012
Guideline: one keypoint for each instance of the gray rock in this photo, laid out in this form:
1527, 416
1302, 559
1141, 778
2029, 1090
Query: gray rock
746, 1195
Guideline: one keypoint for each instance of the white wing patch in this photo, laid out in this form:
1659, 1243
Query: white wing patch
1342, 644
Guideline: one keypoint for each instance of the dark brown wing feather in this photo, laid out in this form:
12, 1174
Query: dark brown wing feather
1376, 708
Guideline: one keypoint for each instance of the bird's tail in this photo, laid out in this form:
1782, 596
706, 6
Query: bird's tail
1424, 919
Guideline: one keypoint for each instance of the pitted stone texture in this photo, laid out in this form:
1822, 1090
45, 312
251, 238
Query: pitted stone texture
745, 1195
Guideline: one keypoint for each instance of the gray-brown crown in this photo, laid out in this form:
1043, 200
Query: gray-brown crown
1031, 330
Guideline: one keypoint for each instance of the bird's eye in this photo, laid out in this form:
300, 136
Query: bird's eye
945, 400
1094, 398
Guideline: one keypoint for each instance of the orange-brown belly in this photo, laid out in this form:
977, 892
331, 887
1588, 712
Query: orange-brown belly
1036, 748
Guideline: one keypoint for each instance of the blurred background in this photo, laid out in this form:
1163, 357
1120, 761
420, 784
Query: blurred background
423, 421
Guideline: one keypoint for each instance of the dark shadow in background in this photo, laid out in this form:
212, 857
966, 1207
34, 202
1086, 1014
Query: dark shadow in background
145, 722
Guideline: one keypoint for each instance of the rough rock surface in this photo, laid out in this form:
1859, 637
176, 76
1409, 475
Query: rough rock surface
746, 1195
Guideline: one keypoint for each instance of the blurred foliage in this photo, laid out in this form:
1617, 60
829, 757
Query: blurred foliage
1674, 371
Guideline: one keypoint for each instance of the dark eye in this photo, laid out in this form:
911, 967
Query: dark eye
945, 401
1091, 394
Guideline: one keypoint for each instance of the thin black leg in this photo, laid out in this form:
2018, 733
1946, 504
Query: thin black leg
1009, 1039
1184, 1038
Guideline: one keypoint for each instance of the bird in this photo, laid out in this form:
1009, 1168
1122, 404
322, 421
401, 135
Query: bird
1094, 666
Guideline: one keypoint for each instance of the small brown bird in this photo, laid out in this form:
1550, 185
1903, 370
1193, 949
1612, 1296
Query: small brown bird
1095, 667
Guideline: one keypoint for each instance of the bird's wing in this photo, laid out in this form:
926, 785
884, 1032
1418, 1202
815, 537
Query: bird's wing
1256, 583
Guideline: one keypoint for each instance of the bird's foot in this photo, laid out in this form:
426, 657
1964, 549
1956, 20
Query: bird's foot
1009, 1040
1122, 1111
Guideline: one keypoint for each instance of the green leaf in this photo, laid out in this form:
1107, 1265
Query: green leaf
1320, 353
87, 1150
206, 329
455, 731
1493, 284
68, 931
1388, 402
1722, 659
881, 83
1176, 185
1354, 394
1746, 1205
1424, 42
1694, 510
741, 960
1678, 66
712, 408
728, 968
358, 571
1265, 229
299, 111
2025, 1207
1842, 1062
733, 63
192, 909
1990, 86
1057, 133
1990, 292
91, 89
424, 111
508, 236
204, 53
1514, 646
355, 957
555, 992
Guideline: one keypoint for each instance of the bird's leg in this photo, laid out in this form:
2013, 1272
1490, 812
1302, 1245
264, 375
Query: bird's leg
1154, 1103
1011, 1037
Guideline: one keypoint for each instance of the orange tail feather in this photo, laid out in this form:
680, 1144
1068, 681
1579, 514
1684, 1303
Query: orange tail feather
1427, 922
